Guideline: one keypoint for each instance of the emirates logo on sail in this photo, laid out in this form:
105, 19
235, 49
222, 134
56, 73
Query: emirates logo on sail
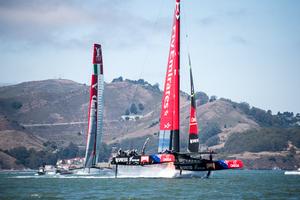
167, 125
170, 73
193, 121
170, 100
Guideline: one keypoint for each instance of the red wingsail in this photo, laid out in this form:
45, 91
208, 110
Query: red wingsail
169, 118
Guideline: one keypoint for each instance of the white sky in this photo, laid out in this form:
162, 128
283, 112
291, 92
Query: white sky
241, 50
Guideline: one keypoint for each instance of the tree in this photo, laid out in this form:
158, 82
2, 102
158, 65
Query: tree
141, 81
133, 108
210, 130
214, 140
127, 112
119, 79
269, 112
202, 97
213, 98
16, 105
105, 152
70, 151
261, 116
245, 107
156, 86
20, 153
141, 106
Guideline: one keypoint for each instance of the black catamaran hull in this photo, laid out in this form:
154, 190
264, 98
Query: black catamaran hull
169, 165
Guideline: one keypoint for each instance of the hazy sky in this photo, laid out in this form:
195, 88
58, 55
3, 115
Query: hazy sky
242, 50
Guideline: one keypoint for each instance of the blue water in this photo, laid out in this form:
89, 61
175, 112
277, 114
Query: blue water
241, 184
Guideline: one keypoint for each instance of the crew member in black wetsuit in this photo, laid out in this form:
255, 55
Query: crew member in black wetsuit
210, 155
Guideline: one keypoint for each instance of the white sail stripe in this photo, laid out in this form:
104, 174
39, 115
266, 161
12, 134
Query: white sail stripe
100, 94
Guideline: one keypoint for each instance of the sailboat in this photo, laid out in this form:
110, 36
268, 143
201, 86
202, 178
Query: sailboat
89, 165
170, 162
95, 119
95, 114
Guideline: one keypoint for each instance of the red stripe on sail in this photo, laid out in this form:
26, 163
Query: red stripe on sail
93, 93
169, 118
193, 121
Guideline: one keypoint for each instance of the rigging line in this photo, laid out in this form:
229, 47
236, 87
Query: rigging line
186, 25
146, 58
185, 29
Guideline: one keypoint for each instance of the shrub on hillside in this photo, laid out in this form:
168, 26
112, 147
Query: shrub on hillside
213, 141
16, 105
264, 139
210, 130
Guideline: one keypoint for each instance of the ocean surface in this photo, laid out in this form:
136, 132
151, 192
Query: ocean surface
240, 184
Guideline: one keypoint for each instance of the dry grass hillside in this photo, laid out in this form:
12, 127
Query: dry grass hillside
8, 162
12, 139
56, 110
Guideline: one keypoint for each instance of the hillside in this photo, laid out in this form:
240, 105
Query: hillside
8, 162
56, 111
47, 101
12, 139
15, 136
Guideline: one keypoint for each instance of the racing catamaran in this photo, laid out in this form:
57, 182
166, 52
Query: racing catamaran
89, 165
95, 116
169, 162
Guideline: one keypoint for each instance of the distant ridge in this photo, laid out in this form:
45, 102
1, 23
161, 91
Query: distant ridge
6, 84
63, 101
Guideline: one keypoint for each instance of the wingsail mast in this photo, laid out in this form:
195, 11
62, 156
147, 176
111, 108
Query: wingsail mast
193, 145
95, 116
169, 118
